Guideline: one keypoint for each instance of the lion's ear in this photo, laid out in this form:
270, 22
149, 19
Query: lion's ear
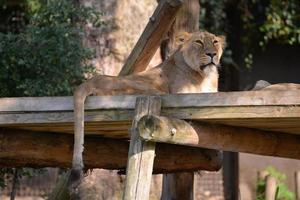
222, 40
182, 37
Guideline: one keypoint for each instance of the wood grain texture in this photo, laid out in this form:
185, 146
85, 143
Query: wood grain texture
213, 136
20, 148
141, 153
152, 36
246, 98
111, 116
273, 118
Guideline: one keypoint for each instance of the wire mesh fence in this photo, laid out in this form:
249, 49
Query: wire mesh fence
208, 186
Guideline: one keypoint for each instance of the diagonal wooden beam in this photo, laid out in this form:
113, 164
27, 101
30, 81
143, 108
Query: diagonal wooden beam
221, 137
154, 33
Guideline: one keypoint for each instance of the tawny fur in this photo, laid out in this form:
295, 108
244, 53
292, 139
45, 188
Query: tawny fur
264, 85
191, 69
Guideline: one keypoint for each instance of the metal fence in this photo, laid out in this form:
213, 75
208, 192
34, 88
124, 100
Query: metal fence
208, 186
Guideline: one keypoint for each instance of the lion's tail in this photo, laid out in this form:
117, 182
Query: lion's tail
76, 175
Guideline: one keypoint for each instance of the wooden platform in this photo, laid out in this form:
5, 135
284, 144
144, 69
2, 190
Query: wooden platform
111, 116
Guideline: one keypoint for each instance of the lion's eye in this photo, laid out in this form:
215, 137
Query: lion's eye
181, 40
199, 42
215, 41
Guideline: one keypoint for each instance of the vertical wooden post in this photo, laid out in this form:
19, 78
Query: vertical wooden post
141, 153
231, 175
297, 185
271, 188
180, 185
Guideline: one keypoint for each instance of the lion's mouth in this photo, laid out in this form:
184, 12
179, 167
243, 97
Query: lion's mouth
202, 67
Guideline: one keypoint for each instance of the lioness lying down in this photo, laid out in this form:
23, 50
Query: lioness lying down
264, 85
191, 69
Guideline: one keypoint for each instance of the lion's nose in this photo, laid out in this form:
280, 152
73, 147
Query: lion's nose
211, 54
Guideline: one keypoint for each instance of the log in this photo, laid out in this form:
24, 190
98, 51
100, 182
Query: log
221, 137
154, 33
141, 153
41, 149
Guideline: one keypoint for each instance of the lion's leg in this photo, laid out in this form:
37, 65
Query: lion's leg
80, 95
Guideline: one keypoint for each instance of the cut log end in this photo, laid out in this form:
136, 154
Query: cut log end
221, 137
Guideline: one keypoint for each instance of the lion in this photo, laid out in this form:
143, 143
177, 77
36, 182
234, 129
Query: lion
264, 85
192, 68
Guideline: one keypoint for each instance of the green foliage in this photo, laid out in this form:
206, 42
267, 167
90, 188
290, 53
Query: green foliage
266, 21
263, 22
282, 22
48, 58
283, 191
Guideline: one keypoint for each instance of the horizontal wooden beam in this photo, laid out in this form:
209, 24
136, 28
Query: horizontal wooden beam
154, 33
112, 115
127, 102
40, 149
175, 131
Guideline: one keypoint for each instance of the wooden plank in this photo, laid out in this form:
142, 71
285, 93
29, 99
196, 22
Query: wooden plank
213, 136
262, 110
141, 153
248, 98
275, 118
154, 33
22, 149
218, 114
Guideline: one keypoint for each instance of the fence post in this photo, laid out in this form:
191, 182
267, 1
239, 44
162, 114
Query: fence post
141, 153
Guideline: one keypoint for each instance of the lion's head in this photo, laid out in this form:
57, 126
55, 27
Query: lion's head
200, 49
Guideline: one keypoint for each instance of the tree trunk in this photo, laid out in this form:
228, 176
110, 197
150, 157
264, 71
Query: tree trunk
180, 185
124, 21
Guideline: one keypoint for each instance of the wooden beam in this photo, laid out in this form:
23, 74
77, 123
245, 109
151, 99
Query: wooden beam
219, 99
40, 149
141, 153
111, 115
154, 33
213, 136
